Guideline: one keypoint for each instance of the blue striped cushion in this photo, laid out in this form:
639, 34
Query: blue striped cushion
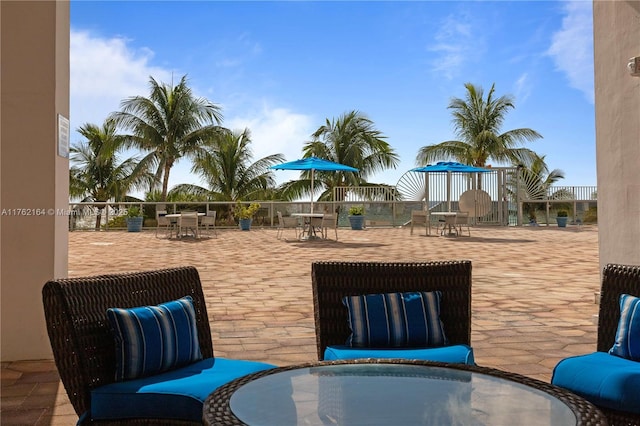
395, 320
153, 339
627, 344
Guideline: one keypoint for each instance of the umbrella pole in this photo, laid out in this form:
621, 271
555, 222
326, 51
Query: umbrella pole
312, 190
449, 191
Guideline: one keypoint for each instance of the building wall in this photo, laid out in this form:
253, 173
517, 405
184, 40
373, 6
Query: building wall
34, 179
616, 27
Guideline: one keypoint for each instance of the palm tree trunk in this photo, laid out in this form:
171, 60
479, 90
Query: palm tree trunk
165, 181
98, 218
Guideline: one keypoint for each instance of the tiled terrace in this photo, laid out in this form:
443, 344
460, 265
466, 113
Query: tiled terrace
533, 295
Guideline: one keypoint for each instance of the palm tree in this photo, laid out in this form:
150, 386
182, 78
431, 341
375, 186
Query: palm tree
477, 122
352, 140
96, 173
533, 183
225, 164
170, 124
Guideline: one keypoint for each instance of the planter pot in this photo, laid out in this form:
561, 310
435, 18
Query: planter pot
134, 224
562, 221
357, 222
245, 224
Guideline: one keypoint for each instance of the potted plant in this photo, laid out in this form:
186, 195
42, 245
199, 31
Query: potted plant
245, 214
134, 219
356, 217
561, 218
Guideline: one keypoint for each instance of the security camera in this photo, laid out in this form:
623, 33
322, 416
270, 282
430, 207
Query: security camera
634, 66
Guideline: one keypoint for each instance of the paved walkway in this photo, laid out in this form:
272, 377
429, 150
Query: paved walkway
533, 295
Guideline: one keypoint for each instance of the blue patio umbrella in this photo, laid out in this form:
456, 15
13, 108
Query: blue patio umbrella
313, 164
448, 167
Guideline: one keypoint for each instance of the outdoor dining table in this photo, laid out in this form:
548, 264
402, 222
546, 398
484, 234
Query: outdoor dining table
394, 392
449, 222
308, 230
174, 216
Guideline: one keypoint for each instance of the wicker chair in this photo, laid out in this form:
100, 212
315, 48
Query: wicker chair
616, 280
82, 341
331, 281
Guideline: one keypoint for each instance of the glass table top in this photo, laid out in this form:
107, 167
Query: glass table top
393, 394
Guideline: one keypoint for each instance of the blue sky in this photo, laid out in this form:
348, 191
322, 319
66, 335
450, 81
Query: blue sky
282, 68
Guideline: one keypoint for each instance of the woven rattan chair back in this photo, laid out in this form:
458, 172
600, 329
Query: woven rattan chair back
331, 281
616, 280
76, 316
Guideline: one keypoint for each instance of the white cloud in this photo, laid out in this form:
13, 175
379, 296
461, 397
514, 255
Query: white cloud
103, 72
572, 47
275, 131
454, 44
522, 88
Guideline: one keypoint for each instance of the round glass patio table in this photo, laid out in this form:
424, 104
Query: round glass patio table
394, 392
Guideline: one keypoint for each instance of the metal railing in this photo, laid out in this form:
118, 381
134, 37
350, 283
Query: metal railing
106, 215
378, 210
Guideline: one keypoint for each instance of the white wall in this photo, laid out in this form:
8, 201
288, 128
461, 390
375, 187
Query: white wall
34, 180
617, 96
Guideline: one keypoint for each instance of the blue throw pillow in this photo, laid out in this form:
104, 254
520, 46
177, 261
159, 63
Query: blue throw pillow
627, 344
395, 320
153, 339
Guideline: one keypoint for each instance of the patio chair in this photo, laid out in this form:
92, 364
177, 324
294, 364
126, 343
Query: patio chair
288, 223
449, 226
610, 377
208, 223
421, 217
188, 221
164, 224
338, 284
328, 221
462, 219
84, 348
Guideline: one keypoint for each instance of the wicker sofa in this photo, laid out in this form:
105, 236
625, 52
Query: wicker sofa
610, 382
332, 281
84, 349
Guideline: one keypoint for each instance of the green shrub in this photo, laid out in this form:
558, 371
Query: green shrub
246, 212
117, 222
133, 211
356, 211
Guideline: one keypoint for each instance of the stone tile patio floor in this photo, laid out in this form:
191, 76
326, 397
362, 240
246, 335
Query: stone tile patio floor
533, 295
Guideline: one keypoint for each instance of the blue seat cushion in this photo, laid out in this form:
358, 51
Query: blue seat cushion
604, 380
176, 394
459, 354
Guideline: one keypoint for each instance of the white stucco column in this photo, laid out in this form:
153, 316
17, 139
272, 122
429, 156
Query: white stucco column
34, 179
616, 26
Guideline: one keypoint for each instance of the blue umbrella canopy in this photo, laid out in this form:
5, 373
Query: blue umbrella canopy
450, 166
313, 164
